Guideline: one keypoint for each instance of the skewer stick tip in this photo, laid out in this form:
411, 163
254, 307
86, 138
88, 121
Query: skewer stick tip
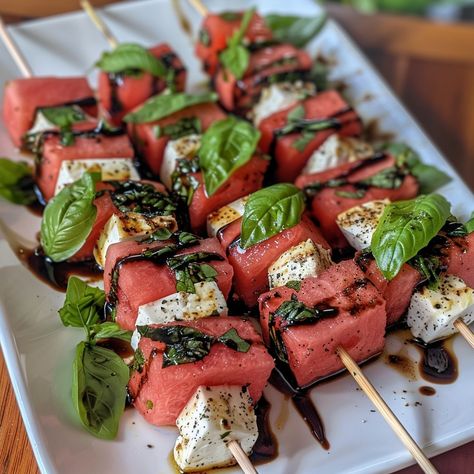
98, 22
385, 411
199, 7
465, 331
14, 51
241, 457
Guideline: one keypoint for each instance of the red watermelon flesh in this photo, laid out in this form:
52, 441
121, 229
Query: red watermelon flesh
23, 96
328, 204
170, 388
152, 148
289, 160
105, 209
143, 282
251, 265
396, 292
240, 95
120, 94
459, 254
229, 233
245, 180
216, 30
359, 326
84, 147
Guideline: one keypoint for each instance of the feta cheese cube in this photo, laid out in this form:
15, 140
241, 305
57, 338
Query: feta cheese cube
280, 96
358, 223
207, 300
431, 313
181, 148
129, 226
335, 151
299, 262
225, 215
111, 169
213, 417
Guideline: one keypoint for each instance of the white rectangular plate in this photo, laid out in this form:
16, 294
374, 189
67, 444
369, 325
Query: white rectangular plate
39, 351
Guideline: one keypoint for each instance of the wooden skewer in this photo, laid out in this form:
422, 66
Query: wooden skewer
199, 7
241, 458
386, 412
14, 51
99, 23
465, 331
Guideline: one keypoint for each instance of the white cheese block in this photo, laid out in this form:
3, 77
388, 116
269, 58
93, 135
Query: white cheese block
184, 147
225, 215
207, 300
432, 312
299, 262
213, 417
129, 226
358, 223
109, 168
335, 151
280, 96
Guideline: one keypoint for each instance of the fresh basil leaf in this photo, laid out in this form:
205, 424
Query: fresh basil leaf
295, 312
68, 219
183, 127
159, 235
232, 340
225, 146
270, 211
294, 285
429, 267
110, 330
83, 306
63, 116
294, 29
405, 228
302, 142
99, 391
469, 225
429, 177
16, 182
162, 105
358, 194
295, 114
388, 178
235, 58
129, 58
320, 74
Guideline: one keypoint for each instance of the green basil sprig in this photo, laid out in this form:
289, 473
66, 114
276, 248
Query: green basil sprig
162, 105
100, 376
295, 29
405, 228
130, 58
68, 219
429, 177
469, 225
185, 344
16, 182
225, 146
270, 211
235, 58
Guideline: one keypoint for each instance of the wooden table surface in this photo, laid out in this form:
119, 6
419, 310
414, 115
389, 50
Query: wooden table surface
16, 456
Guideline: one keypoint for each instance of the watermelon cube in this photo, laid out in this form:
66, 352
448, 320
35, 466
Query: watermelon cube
351, 315
118, 94
23, 96
290, 157
160, 393
459, 256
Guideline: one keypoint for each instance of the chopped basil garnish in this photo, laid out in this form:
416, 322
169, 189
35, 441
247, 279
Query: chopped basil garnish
142, 198
226, 146
190, 269
100, 376
235, 58
183, 183
294, 285
185, 344
138, 361
167, 103
270, 211
68, 219
405, 228
295, 29
183, 127
16, 182
429, 177
158, 235
203, 37
358, 194
295, 312
128, 58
